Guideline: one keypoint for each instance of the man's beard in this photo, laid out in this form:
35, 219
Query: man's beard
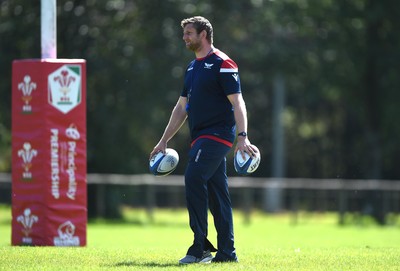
194, 46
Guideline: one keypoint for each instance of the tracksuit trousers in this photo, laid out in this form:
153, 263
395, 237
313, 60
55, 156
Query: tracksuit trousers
206, 187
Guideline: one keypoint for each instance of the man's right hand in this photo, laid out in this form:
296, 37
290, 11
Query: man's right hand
160, 147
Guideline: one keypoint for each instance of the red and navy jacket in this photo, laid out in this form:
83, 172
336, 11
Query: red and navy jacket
208, 82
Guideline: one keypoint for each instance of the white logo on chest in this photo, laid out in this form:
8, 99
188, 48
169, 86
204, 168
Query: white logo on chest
208, 66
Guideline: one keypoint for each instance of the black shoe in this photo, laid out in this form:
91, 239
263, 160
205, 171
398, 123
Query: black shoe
216, 260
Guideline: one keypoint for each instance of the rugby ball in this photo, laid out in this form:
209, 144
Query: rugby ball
162, 164
248, 165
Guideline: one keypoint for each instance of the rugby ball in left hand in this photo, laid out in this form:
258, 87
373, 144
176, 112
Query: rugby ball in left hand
162, 164
248, 165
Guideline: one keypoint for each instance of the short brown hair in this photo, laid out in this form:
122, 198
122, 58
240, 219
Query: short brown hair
200, 23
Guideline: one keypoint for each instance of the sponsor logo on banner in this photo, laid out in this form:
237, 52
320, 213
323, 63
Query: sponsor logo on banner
54, 162
27, 219
66, 236
73, 134
63, 160
27, 153
27, 86
65, 88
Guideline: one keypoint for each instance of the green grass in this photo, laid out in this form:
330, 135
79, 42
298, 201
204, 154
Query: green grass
269, 242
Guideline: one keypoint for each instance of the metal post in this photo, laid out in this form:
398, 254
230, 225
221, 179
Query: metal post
48, 28
273, 196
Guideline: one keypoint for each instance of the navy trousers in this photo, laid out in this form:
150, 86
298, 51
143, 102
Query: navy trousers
206, 186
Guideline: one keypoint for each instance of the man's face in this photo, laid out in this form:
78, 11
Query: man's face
191, 38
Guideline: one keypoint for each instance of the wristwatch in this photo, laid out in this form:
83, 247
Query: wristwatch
242, 134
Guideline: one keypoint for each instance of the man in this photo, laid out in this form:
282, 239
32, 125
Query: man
211, 99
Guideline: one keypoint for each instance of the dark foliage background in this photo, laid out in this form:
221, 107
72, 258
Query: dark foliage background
339, 61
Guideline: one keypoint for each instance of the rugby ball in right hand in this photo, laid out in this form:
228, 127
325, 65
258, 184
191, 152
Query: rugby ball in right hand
248, 165
162, 164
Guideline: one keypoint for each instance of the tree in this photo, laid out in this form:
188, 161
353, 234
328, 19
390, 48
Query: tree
339, 60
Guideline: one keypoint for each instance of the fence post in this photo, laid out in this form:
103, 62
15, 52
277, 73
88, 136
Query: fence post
100, 198
294, 206
342, 205
150, 201
247, 204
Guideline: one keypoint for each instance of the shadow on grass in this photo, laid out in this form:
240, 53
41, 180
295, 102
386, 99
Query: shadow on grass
143, 264
128, 222
116, 221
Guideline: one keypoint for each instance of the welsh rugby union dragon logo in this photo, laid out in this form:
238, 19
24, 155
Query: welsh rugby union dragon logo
64, 86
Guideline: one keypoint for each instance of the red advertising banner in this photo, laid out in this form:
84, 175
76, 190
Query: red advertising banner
49, 201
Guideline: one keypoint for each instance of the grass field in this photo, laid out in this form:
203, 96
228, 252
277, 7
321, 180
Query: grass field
269, 242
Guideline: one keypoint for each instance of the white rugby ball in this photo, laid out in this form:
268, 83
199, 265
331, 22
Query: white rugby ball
162, 164
248, 165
